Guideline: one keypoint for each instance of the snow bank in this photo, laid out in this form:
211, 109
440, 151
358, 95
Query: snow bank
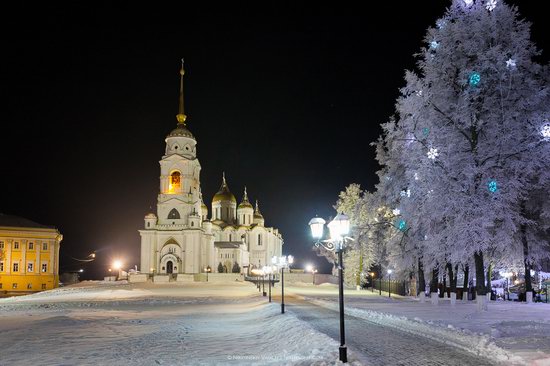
479, 345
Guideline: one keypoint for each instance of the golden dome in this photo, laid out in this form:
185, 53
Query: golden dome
245, 203
257, 214
181, 131
224, 194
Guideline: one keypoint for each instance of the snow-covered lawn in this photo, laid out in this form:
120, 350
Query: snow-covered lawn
512, 331
101, 323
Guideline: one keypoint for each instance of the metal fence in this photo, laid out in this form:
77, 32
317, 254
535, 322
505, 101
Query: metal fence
395, 287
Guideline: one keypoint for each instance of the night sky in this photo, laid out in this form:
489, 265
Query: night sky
285, 99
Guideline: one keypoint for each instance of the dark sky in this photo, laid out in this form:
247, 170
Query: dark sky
285, 99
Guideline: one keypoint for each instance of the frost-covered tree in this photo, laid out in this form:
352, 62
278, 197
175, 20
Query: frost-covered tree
469, 139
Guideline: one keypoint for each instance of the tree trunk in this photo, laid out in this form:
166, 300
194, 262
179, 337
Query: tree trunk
489, 276
455, 280
433, 283
421, 279
452, 277
443, 285
526, 262
466, 282
480, 274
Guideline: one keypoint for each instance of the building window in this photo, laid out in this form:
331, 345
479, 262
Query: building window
44, 246
229, 237
31, 246
30, 267
1, 245
43, 286
14, 285
148, 224
175, 182
0, 285
16, 245
29, 286
259, 239
44, 267
174, 214
1, 266
16, 267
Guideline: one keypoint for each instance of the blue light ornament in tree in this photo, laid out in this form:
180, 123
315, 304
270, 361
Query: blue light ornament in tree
402, 225
492, 186
474, 79
426, 131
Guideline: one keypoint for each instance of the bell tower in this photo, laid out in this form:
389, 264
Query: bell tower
179, 200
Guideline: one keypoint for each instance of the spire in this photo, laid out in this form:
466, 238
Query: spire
181, 117
257, 210
245, 197
223, 179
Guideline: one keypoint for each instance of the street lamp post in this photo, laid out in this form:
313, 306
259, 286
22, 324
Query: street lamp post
208, 270
389, 282
282, 263
339, 229
372, 282
310, 268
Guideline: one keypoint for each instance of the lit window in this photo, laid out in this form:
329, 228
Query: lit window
29, 286
44, 267
44, 246
30, 267
31, 246
43, 286
1, 245
175, 182
16, 267
16, 245
14, 285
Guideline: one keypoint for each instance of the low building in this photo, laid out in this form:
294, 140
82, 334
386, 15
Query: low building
29, 255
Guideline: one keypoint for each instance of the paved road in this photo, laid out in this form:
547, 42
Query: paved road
376, 345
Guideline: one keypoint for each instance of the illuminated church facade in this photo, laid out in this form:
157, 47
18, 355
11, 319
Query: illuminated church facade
182, 238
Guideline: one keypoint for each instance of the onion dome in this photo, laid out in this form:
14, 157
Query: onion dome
257, 214
244, 203
181, 131
224, 194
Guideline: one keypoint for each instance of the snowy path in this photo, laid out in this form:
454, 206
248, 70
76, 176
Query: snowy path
381, 345
156, 325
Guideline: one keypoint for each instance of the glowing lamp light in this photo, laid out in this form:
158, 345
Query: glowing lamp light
117, 264
492, 186
339, 226
317, 226
468, 3
309, 268
290, 259
545, 131
390, 271
474, 79
434, 45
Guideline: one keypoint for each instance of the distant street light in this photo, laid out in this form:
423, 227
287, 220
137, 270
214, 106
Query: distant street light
310, 268
339, 229
282, 263
207, 270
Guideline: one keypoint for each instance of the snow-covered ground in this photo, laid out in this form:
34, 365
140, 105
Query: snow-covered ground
513, 332
102, 323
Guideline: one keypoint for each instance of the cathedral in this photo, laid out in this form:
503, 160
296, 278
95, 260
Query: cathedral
182, 238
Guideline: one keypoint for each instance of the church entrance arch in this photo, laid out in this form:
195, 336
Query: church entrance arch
169, 267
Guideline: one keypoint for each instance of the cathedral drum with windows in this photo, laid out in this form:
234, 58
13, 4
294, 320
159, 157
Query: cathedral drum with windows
181, 239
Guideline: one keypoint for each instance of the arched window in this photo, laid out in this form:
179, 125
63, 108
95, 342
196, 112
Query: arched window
229, 237
175, 182
259, 239
174, 214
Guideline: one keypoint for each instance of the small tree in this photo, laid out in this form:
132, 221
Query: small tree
236, 268
220, 268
